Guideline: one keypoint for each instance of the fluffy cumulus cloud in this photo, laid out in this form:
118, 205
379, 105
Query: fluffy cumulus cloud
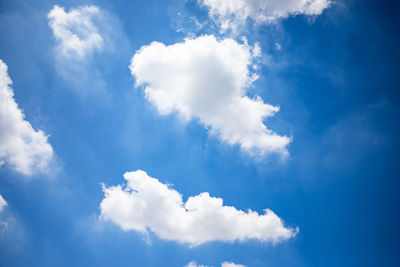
75, 31
224, 264
231, 13
3, 203
23, 148
206, 79
145, 203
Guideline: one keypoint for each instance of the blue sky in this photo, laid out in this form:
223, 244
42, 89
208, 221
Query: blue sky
108, 109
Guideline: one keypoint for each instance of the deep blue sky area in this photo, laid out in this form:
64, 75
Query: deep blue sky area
336, 79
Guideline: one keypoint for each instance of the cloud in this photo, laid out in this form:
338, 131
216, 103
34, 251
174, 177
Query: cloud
3, 203
206, 79
85, 37
23, 148
230, 14
231, 264
194, 264
146, 203
14, 237
224, 264
75, 31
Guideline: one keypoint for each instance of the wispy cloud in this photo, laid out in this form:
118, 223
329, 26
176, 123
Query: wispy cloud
224, 264
231, 14
75, 31
82, 36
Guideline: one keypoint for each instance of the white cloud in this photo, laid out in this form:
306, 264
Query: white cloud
231, 264
206, 79
230, 14
75, 31
146, 203
194, 264
224, 264
3, 203
23, 148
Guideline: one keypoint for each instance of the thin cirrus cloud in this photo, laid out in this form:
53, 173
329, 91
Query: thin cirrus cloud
230, 14
224, 264
145, 203
83, 35
206, 79
76, 32
21, 147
